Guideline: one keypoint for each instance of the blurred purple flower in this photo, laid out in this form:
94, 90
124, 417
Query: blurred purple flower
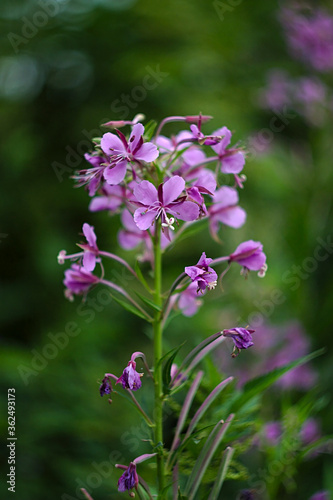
203, 275
188, 301
309, 34
277, 92
272, 432
225, 210
321, 495
310, 431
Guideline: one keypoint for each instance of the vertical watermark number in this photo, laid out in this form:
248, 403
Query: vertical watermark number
11, 440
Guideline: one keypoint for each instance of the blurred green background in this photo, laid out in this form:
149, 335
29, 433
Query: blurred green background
65, 68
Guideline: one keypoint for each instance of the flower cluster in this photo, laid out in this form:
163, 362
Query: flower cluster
162, 181
161, 186
309, 35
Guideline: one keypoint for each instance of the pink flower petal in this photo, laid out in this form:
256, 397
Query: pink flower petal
89, 261
129, 240
187, 210
225, 196
136, 134
115, 175
89, 234
231, 216
111, 144
148, 152
144, 219
146, 193
172, 189
233, 164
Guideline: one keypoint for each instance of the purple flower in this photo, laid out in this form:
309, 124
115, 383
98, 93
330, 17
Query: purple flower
242, 338
89, 256
278, 90
310, 36
92, 177
321, 495
129, 479
310, 431
157, 203
121, 152
232, 159
249, 254
225, 210
167, 145
204, 184
203, 275
78, 281
131, 235
90, 249
272, 432
130, 378
247, 495
111, 198
188, 301
105, 387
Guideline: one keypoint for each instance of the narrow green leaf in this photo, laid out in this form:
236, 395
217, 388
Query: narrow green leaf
205, 405
141, 277
166, 374
223, 469
261, 383
130, 308
149, 302
207, 452
185, 409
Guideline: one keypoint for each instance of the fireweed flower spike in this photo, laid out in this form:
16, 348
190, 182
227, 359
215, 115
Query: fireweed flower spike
157, 203
121, 152
202, 274
242, 338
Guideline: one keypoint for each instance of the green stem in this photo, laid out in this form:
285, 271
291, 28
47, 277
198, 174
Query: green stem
158, 349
